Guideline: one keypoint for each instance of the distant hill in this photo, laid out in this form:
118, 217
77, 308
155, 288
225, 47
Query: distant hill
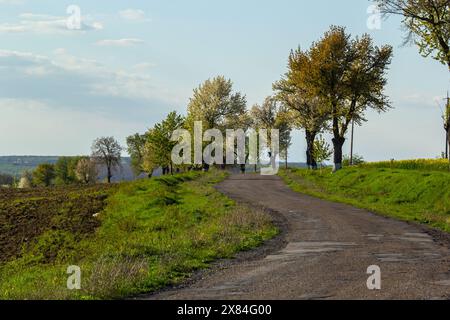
15, 165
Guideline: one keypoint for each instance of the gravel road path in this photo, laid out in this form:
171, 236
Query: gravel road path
327, 250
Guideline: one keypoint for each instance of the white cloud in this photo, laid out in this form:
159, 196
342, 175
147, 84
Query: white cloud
26, 63
69, 62
120, 42
13, 2
47, 24
59, 131
67, 101
24, 104
77, 79
133, 14
423, 100
37, 16
144, 66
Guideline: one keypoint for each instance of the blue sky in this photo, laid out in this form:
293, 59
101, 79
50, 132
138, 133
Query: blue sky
134, 61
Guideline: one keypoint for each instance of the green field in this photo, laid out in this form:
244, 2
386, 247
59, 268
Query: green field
411, 195
416, 164
148, 234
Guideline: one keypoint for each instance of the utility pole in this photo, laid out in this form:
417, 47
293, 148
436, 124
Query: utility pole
447, 127
351, 142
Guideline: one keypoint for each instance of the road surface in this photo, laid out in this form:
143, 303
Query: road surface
326, 252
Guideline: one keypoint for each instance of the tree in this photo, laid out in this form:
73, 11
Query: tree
65, 170
427, 23
6, 180
349, 76
322, 151
446, 118
217, 106
86, 170
158, 147
265, 116
107, 151
285, 129
26, 180
270, 115
306, 110
136, 144
149, 162
44, 174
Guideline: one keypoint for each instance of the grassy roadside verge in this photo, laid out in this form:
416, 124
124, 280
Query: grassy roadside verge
409, 195
152, 233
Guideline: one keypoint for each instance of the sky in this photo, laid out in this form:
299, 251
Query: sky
129, 63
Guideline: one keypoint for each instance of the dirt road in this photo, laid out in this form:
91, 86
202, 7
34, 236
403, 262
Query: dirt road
329, 247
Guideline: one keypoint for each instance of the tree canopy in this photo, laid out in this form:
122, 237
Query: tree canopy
43, 175
348, 76
427, 23
136, 145
107, 151
302, 103
215, 103
158, 146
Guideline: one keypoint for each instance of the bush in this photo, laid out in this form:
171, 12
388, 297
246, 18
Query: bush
357, 160
6, 180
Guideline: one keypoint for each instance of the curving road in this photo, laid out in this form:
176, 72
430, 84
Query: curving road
328, 248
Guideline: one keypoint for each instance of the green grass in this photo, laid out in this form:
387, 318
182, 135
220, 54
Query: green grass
409, 195
153, 233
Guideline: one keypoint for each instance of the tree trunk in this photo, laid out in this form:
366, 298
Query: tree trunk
310, 161
109, 174
337, 144
448, 143
351, 142
286, 160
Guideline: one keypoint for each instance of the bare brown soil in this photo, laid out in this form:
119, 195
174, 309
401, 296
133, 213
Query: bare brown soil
27, 214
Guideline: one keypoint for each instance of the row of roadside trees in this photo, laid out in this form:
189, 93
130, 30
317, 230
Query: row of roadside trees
106, 153
67, 170
217, 106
